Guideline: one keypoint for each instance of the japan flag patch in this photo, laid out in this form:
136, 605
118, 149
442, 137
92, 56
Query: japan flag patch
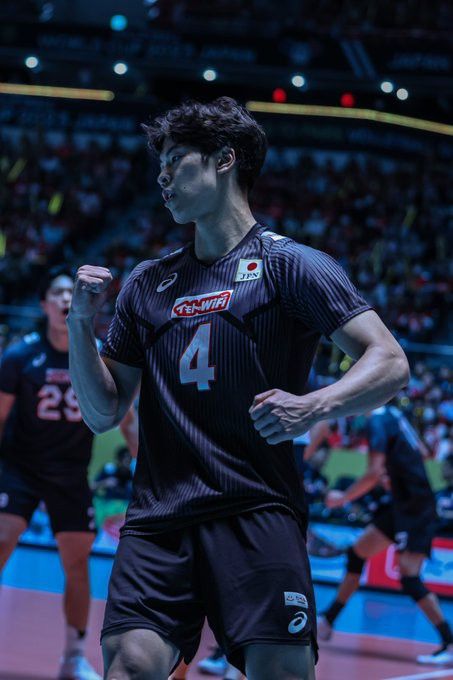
249, 270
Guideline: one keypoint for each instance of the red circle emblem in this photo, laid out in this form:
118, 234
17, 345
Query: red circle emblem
252, 266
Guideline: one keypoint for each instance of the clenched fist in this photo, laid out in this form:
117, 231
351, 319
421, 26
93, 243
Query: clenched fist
280, 416
90, 286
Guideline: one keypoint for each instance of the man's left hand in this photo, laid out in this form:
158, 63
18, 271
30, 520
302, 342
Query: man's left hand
280, 416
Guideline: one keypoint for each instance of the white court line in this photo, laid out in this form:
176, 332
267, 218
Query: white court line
448, 673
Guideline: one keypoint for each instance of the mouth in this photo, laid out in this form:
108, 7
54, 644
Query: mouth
65, 311
167, 195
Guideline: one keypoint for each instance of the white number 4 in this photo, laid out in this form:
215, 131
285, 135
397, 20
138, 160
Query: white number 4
194, 364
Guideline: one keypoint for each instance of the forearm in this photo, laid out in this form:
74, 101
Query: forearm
372, 381
360, 487
93, 383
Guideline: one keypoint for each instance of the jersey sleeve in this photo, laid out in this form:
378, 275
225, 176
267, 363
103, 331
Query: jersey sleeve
377, 434
123, 341
10, 371
314, 287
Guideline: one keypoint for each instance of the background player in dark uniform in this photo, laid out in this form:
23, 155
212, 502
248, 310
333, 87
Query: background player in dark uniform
409, 521
222, 335
46, 448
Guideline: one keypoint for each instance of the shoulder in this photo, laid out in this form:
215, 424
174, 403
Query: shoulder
23, 348
283, 248
158, 266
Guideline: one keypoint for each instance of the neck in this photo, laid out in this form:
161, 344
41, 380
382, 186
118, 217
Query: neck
216, 234
58, 339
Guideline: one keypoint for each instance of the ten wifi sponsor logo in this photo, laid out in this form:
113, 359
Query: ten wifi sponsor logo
205, 303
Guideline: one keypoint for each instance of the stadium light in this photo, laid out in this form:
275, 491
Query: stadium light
298, 80
31, 61
279, 95
56, 92
356, 114
210, 74
387, 86
120, 68
402, 93
118, 22
347, 100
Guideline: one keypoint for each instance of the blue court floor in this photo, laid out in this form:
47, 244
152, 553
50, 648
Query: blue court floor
369, 612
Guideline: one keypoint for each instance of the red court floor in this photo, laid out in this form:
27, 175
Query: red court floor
31, 639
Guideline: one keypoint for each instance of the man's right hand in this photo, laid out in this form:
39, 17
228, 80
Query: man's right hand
89, 287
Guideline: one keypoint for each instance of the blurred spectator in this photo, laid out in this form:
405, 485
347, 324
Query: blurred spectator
444, 497
115, 478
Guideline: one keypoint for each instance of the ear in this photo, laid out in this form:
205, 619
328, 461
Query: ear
226, 160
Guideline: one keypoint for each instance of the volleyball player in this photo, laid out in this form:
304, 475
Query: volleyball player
222, 334
409, 521
46, 448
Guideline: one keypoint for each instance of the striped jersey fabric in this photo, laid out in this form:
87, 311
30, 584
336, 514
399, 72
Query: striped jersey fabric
208, 338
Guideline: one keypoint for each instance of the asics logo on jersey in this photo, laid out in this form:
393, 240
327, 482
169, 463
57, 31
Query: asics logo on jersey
166, 283
39, 360
206, 303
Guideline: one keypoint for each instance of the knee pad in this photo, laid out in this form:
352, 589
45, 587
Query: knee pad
414, 587
354, 562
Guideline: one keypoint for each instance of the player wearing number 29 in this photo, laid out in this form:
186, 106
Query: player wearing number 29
221, 334
46, 448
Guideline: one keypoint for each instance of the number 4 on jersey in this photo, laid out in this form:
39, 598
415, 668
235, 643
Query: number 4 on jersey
194, 364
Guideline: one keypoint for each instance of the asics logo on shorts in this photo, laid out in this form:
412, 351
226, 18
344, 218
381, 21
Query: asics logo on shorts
300, 618
298, 623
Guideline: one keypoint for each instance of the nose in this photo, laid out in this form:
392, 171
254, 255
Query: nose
163, 179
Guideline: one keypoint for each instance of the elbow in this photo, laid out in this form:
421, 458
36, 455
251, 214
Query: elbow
98, 426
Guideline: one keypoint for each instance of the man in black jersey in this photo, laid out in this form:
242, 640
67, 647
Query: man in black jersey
46, 448
221, 335
395, 459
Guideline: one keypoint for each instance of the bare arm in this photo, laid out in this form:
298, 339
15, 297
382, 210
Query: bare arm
318, 433
104, 388
374, 473
381, 369
6, 404
129, 429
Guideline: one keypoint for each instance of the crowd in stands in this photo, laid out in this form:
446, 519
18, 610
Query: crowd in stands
332, 16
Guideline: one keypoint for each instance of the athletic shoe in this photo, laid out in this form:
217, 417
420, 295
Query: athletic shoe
441, 657
325, 630
76, 667
216, 664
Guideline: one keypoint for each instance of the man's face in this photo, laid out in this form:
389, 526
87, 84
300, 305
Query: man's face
57, 302
189, 181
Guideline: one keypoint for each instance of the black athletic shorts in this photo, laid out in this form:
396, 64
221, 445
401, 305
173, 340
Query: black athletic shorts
69, 503
410, 532
248, 573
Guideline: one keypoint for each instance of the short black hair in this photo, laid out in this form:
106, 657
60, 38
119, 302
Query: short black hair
51, 274
211, 126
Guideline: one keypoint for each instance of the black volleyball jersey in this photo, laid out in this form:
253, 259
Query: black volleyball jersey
390, 433
208, 338
45, 433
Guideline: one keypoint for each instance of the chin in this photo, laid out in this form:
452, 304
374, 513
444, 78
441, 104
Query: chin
180, 218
